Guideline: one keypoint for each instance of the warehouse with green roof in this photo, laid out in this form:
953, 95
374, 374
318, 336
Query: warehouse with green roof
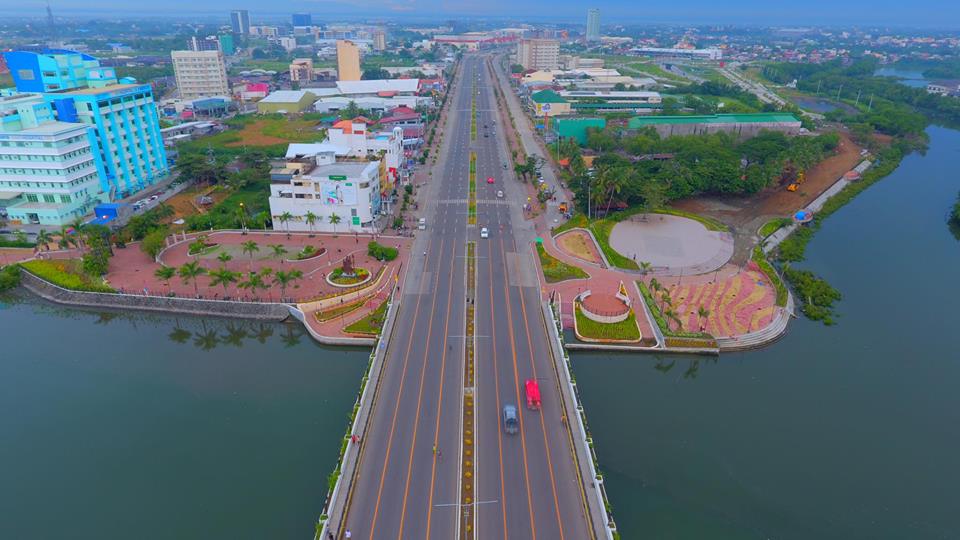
548, 103
741, 125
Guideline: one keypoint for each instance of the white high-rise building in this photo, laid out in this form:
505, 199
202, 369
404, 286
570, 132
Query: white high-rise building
593, 24
200, 74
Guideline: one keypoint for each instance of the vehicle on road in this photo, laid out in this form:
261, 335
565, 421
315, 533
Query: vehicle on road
533, 394
422, 224
490, 180
499, 194
563, 207
511, 424
484, 233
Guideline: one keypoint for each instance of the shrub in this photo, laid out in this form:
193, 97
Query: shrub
9, 277
381, 252
154, 242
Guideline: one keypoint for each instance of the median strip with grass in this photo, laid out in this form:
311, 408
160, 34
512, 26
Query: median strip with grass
773, 226
555, 270
472, 200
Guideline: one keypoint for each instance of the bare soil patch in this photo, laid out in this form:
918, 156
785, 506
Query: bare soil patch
578, 244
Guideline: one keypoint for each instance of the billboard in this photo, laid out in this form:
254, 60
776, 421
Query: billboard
338, 193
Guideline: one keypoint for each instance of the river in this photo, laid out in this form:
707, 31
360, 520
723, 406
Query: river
843, 432
119, 425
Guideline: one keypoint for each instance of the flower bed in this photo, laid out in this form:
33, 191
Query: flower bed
207, 248
307, 254
337, 279
625, 330
343, 309
66, 273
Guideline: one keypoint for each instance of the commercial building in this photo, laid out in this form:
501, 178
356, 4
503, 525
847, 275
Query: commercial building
209, 43
385, 146
200, 73
227, 44
538, 53
286, 101
548, 103
123, 116
473, 41
379, 40
240, 22
373, 95
613, 101
56, 69
576, 128
50, 173
348, 61
593, 24
741, 125
701, 54
301, 19
301, 70
313, 180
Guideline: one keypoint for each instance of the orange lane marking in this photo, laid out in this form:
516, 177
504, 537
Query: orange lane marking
543, 425
396, 410
443, 366
516, 384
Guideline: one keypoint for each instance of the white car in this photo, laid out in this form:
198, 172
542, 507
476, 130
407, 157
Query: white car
484, 233
500, 194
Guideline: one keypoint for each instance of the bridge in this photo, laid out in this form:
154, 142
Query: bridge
466, 329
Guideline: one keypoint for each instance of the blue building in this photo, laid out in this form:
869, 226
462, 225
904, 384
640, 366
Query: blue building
123, 114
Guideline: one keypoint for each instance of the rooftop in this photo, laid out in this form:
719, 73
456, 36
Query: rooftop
104, 90
378, 85
350, 169
746, 118
286, 96
49, 128
547, 96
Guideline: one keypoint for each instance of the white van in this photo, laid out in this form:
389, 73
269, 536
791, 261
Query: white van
422, 224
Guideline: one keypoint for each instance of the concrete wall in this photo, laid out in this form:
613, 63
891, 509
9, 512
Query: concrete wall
190, 306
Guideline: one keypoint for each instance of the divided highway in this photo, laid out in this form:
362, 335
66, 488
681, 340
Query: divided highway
527, 484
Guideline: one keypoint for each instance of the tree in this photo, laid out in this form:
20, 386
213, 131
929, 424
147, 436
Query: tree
66, 239
285, 220
311, 219
224, 257
375, 74
224, 277
190, 272
284, 279
165, 273
350, 111
96, 261
260, 219
250, 247
43, 238
197, 246
702, 314
653, 194
334, 220
154, 242
278, 250
645, 268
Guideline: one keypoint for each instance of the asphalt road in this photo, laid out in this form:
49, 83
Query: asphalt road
527, 484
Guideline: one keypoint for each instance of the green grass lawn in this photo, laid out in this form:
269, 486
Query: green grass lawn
66, 273
601, 231
372, 324
771, 274
773, 226
555, 270
625, 330
655, 70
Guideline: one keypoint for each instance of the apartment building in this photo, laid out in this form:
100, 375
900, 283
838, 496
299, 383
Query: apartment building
301, 70
200, 73
348, 61
539, 53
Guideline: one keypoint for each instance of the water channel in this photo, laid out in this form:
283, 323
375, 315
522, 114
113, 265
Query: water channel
845, 432
116, 425
188, 428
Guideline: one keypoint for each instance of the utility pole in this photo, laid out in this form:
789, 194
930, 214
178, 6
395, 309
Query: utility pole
870, 105
838, 92
857, 102
820, 82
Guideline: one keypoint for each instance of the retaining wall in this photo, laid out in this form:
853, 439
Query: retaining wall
189, 306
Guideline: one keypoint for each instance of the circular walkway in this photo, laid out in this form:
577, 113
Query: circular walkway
672, 244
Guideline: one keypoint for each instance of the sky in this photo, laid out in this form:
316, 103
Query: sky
926, 13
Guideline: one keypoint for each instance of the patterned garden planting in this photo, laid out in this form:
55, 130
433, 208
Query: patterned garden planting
738, 304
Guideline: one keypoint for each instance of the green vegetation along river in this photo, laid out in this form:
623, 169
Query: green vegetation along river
155, 427
844, 432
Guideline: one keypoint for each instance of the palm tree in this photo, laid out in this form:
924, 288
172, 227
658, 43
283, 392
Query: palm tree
253, 282
285, 278
670, 315
78, 226
645, 268
278, 251
311, 219
702, 313
224, 257
190, 272
250, 247
165, 273
43, 238
334, 220
65, 239
222, 276
197, 246
285, 220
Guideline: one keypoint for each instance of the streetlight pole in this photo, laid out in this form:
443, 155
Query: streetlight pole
243, 226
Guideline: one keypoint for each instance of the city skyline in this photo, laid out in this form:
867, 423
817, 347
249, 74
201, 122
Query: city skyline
929, 13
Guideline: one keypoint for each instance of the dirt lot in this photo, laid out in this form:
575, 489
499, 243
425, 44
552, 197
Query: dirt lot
254, 135
183, 202
778, 202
